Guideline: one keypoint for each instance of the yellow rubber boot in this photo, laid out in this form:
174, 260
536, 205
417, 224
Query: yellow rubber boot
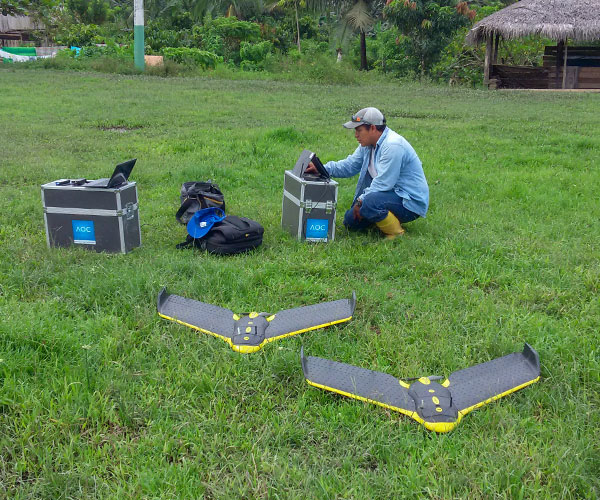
390, 226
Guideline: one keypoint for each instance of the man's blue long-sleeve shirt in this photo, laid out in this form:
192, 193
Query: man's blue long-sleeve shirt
398, 168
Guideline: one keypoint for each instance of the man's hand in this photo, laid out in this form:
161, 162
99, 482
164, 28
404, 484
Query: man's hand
311, 169
356, 210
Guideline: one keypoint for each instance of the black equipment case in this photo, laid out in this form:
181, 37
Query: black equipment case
100, 219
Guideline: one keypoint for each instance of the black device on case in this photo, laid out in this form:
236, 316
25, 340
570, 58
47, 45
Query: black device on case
307, 157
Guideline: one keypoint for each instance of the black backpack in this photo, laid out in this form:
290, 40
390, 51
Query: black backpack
232, 235
197, 195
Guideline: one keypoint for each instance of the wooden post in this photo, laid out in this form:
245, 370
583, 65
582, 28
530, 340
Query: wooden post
559, 55
496, 43
565, 66
488, 59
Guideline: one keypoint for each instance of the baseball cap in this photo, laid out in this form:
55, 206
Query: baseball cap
366, 116
203, 220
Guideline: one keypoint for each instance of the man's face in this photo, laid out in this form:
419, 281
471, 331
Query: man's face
367, 135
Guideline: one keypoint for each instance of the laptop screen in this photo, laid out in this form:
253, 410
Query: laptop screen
121, 173
319, 166
305, 158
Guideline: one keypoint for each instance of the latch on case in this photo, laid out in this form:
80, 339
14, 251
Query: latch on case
129, 211
307, 206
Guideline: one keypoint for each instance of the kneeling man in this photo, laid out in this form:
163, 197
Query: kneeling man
391, 187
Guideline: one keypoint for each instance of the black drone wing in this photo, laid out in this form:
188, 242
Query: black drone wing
302, 319
250, 332
481, 384
206, 318
439, 407
358, 383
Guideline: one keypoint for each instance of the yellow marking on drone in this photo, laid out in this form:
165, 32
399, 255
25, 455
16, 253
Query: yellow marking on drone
498, 396
425, 381
307, 329
253, 315
439, 427
361, 398
435, 400
246, 349
228, 340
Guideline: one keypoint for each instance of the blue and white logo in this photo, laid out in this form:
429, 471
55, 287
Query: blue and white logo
316, 229
83, 232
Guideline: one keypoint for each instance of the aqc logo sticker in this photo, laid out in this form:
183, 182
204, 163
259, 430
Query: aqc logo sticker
83, 232
317, 228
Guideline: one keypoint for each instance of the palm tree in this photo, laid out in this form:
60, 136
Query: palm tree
361, 15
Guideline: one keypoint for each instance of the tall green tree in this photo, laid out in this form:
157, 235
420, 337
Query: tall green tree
294, 4
89, 11
14, 7
246, 9
429, 24
170, 10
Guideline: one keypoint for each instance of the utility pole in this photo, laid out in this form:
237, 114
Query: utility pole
138, 34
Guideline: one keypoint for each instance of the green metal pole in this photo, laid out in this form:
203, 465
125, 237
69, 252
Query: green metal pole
138, 34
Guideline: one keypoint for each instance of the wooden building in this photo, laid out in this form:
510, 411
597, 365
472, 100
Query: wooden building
15, 30
565, 65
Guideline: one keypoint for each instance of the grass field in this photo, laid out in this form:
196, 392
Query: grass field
101, 398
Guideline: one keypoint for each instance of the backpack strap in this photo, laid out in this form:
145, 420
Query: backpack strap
185, 205
189, 242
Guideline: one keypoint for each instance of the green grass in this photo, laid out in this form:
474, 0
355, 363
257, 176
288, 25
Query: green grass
100, 398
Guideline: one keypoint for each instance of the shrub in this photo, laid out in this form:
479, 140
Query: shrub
111, 49
168, 68
156, 36
222, 36
64, 60
387, 51
253, 55
79, 35
192, 57
321, 68
108, 64
460, 63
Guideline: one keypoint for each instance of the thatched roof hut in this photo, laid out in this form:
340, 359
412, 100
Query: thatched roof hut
560, 20
578, 20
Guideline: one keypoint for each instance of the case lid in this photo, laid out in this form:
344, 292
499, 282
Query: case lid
80, 197
305, 158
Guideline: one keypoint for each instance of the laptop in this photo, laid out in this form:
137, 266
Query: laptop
118, 177
305, 158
